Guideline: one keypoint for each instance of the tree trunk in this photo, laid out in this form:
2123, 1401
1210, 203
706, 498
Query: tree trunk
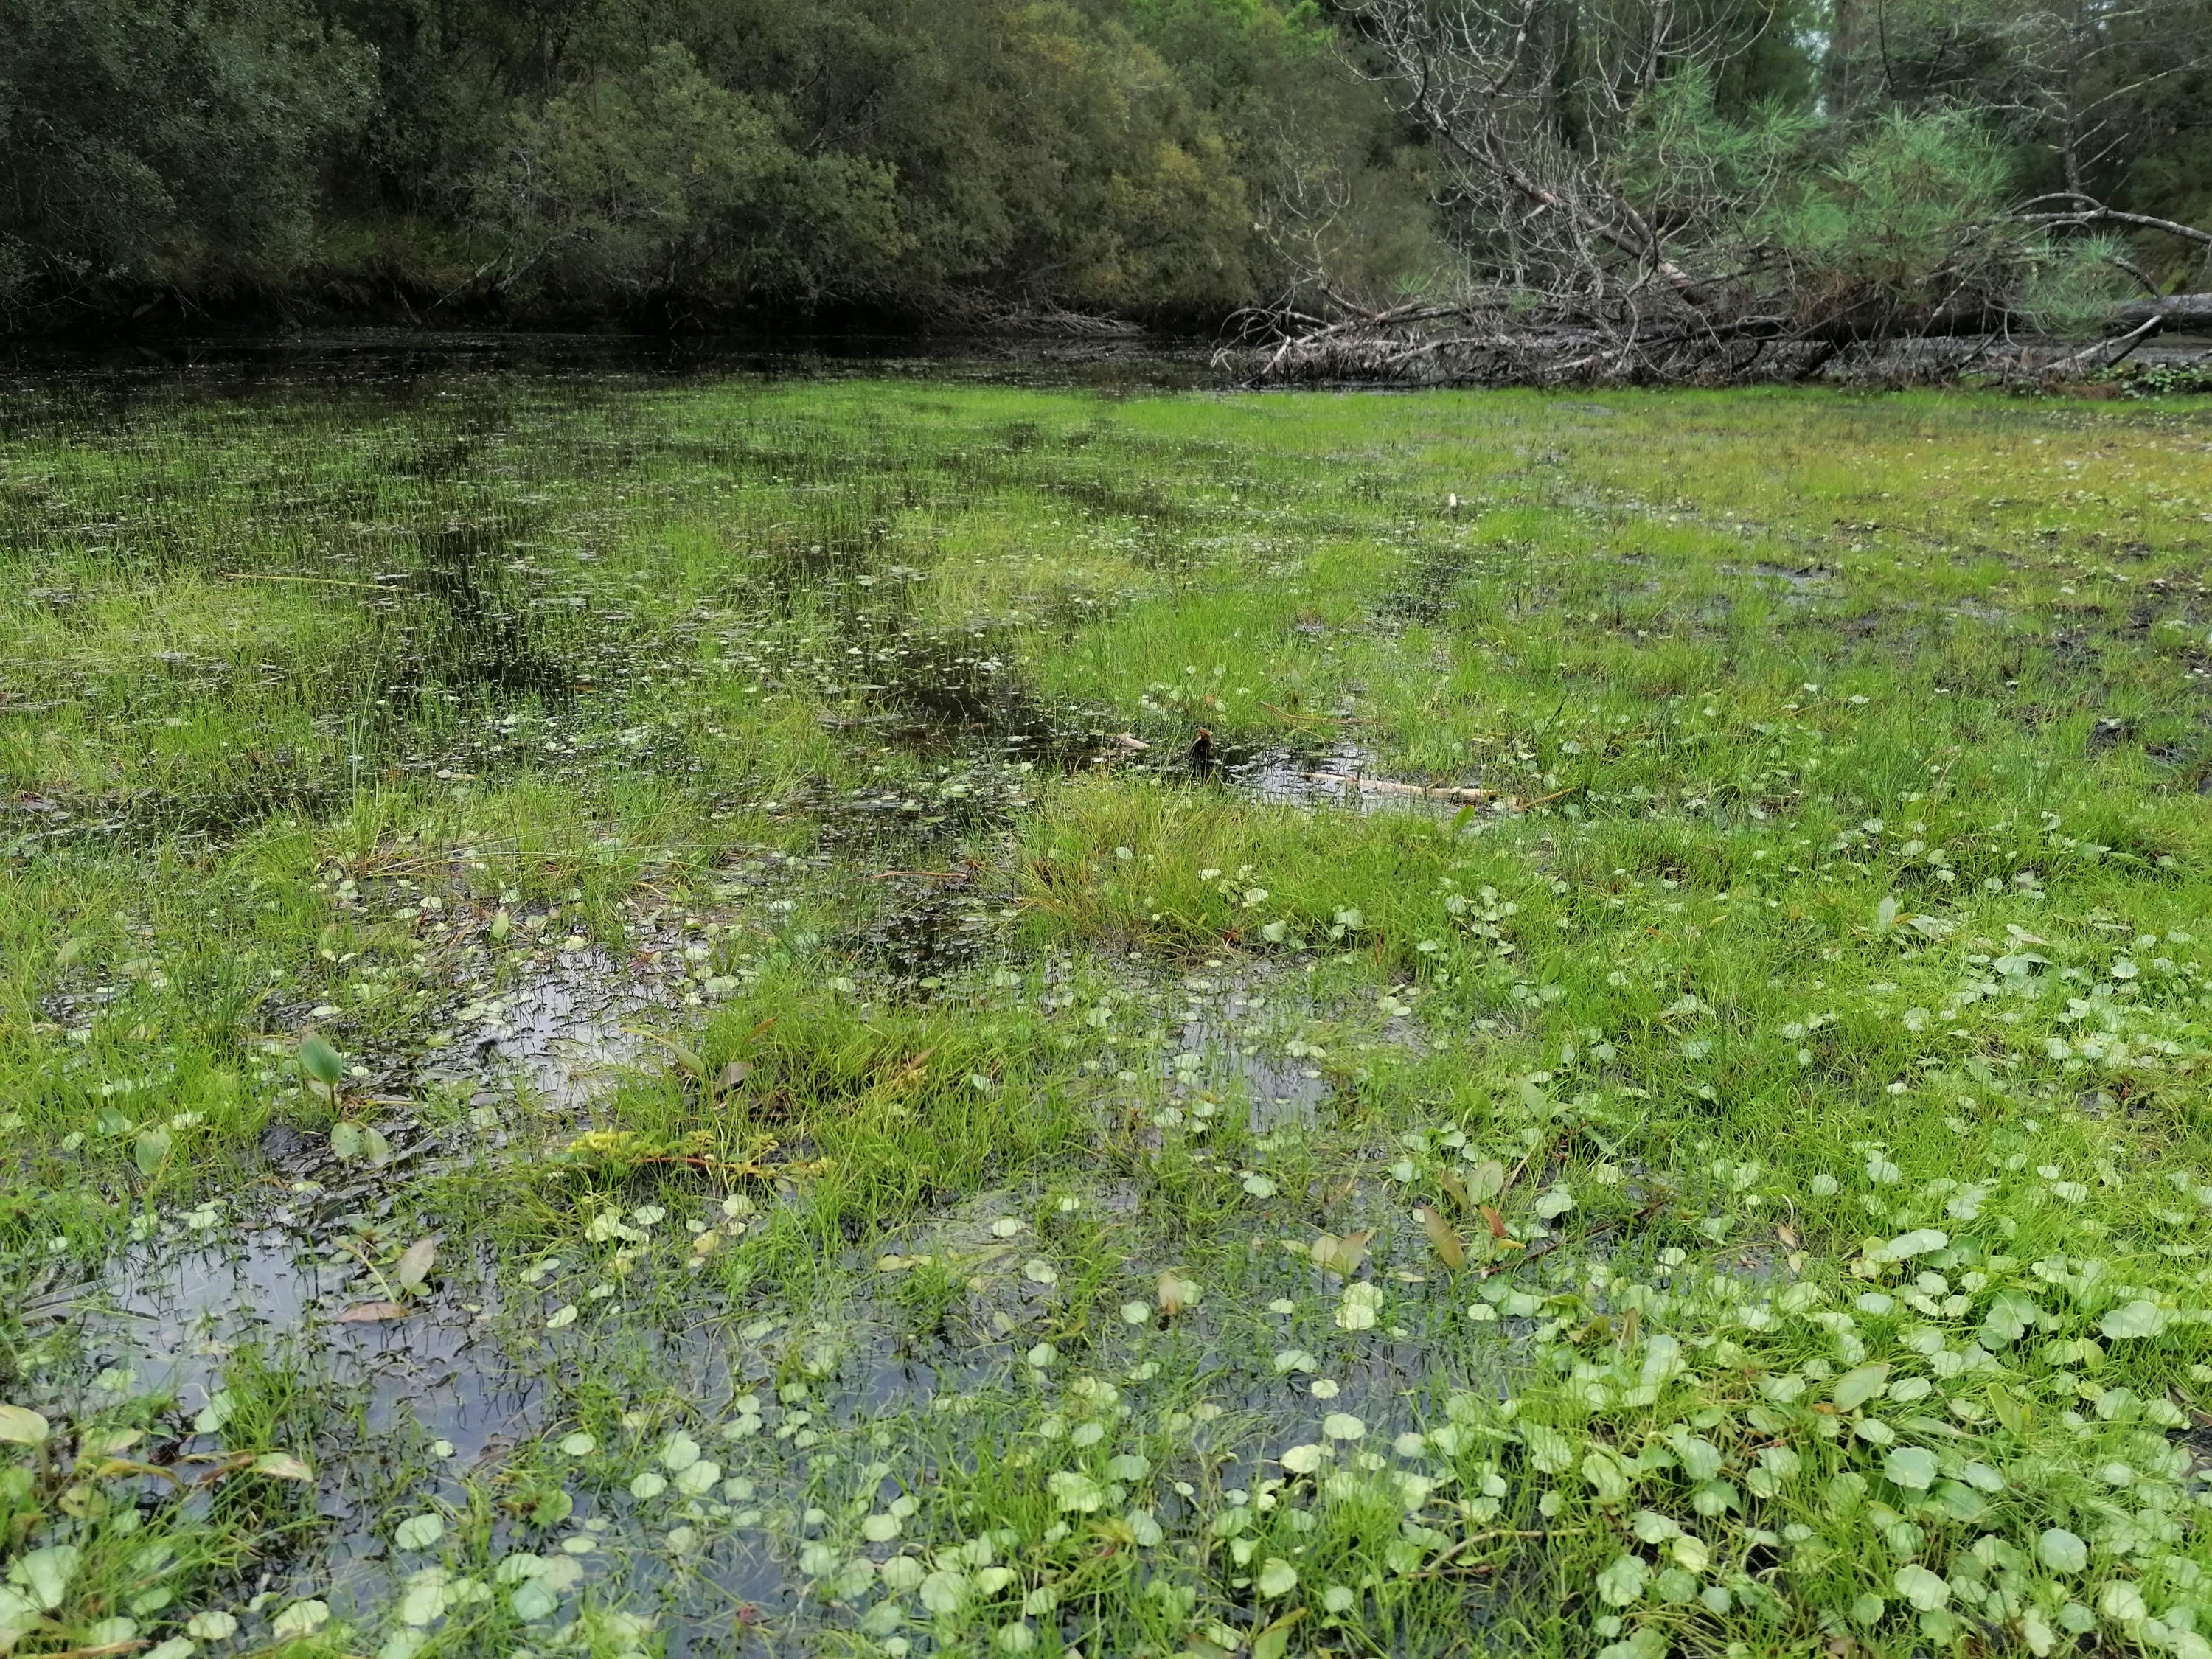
2176, 313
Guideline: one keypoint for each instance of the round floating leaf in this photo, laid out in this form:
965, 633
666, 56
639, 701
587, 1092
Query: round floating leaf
2137, 1318
533, 1599
1982, 1475
1342, 1425
562, 1573
1855, 1387
424, 1604
301, 1619
1906, 1246
2062, 1550
902, 1573
1925, 1590
1605, 1472
679, 1452
2122, 1602
699, 1478
942, 1592
1357, 1313
419, 1531
45, 1574
550, 1507
1555, 1202
1277, 1577
22, 1426
1913, 1466
1622, 1582
1073, 1489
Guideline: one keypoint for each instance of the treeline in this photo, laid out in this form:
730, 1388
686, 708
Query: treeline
680, 162
683, 159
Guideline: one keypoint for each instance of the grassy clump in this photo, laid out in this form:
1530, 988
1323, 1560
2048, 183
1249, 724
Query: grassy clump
827, 1143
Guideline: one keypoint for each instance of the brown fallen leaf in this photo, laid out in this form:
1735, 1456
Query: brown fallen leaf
1340, 1254
1456, 1190
1788, 1235
1176, 1292
371, 1313
1443, 1239
1494, 1221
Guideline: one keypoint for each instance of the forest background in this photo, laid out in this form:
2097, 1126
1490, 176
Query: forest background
673, 163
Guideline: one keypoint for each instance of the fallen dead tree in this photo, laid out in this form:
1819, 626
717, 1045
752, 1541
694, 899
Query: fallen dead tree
1500, 343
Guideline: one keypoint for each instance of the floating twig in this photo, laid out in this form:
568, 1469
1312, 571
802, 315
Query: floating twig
1464, 796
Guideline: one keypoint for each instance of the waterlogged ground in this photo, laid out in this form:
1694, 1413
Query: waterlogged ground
714, 1016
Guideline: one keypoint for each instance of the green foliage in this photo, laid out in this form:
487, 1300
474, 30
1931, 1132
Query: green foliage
663, 182
2168, 380
158, 145
2100, 99
1909, 220
1689, 165
2072, 284
906, 156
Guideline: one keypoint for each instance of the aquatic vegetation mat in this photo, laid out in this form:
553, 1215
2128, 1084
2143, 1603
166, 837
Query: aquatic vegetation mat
905, 1017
